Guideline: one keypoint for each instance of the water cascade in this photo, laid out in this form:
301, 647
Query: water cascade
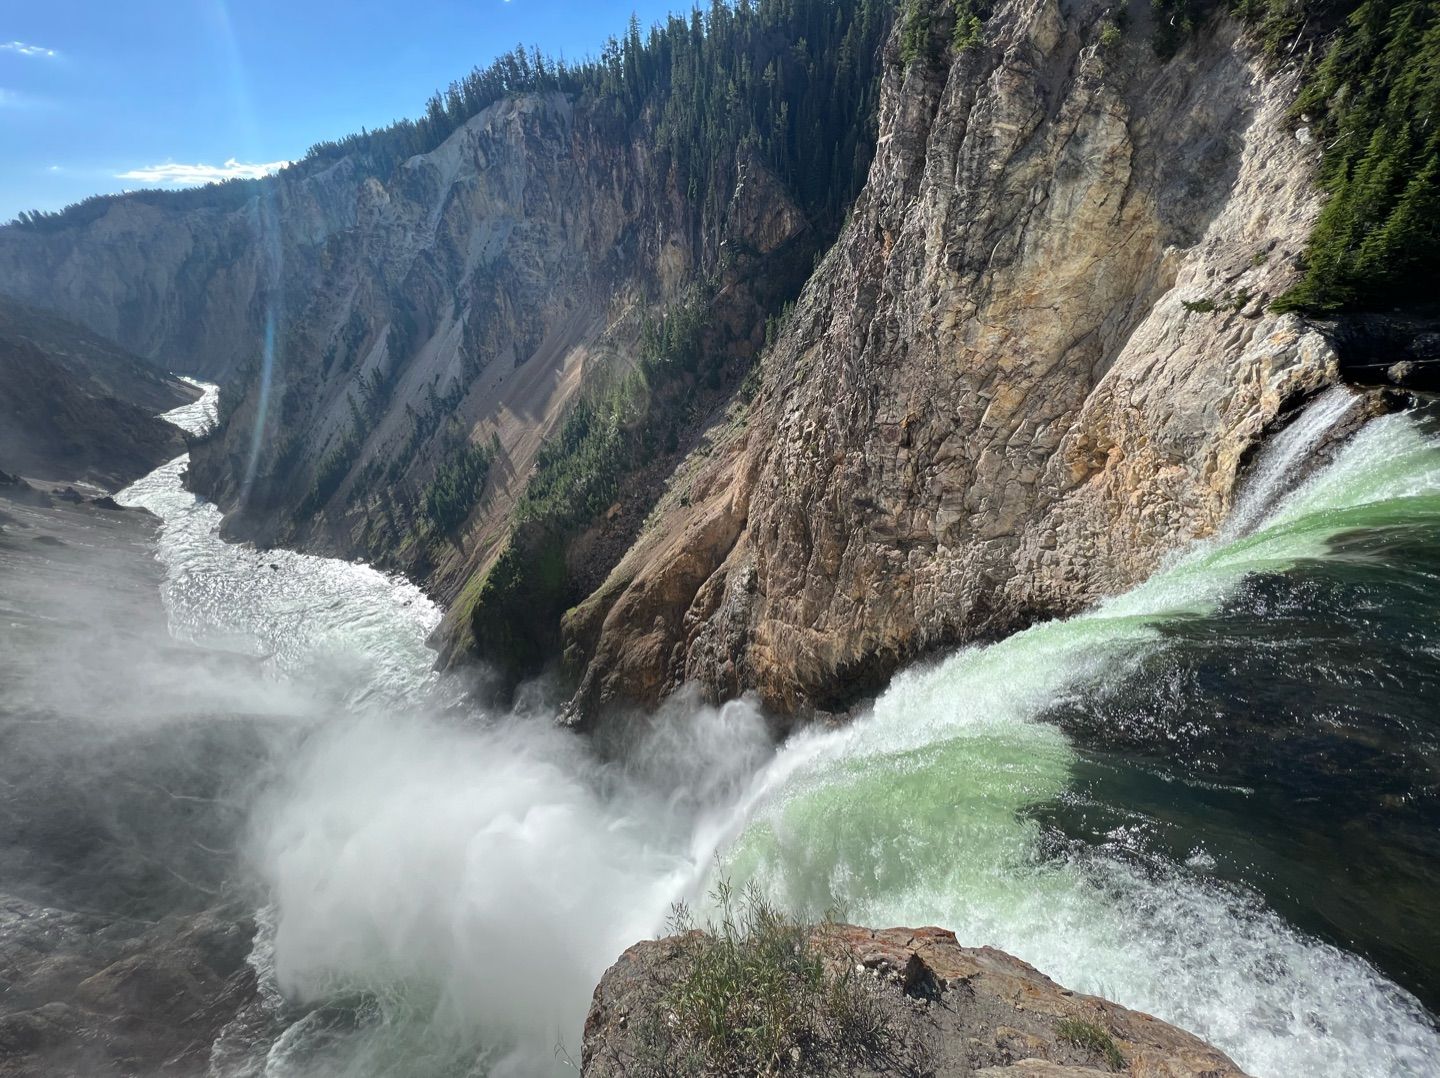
444, 887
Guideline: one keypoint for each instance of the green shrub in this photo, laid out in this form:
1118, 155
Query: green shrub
515, 616
1091, 1038
1374, 102
457, 486
1175, 21
334, 466
756, 997
915, 43
969, 31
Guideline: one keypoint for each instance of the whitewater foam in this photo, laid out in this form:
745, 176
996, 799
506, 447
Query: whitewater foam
451, 886
916, 814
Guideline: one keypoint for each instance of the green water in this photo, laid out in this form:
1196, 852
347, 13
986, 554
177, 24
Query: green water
1212, 798
948, 804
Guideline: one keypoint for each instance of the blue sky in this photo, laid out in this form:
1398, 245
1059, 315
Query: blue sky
105, 96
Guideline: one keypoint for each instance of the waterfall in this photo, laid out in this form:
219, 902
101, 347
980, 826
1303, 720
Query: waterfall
446, 887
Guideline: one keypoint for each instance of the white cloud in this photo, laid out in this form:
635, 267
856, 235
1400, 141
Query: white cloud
28, 50
171, 174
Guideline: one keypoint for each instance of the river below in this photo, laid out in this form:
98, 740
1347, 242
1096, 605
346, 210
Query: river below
1213, 798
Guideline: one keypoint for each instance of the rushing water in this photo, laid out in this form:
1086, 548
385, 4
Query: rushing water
300, 614
925, 810
1144, 801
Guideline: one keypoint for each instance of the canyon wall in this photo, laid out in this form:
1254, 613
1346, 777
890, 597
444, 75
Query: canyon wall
392, 322
1033, 364
1035, 361
76, 407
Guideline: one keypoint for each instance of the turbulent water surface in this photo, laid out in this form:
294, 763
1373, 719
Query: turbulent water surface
1212, 798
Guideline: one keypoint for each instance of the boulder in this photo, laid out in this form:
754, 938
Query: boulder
950, 1011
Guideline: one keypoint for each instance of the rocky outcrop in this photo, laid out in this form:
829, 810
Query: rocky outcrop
962, 1010
1035, 361
74, 406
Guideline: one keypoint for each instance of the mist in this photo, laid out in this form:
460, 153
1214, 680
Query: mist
492, 868
202, 733
416, 863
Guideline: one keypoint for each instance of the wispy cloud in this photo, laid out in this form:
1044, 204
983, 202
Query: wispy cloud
171, 174
28, 50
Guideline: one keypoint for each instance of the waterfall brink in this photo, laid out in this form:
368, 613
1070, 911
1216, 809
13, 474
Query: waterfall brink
919, 812
1287, 453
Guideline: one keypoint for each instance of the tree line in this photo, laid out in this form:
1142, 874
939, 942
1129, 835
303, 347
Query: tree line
793, 80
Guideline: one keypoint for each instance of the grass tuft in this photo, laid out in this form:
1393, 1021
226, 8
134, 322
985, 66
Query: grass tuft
756, 997
1091, 1038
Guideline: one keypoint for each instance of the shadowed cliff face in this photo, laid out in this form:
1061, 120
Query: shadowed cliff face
74, 406
1033, 363
368, 330
481, 288
188, 289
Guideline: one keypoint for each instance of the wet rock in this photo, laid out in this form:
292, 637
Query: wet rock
1401, 349
1401, 372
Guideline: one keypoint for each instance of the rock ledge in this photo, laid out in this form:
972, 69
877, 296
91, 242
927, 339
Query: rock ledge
975, 1010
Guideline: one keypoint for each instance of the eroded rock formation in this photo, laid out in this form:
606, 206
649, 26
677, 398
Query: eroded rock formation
967, 1010
1036, 360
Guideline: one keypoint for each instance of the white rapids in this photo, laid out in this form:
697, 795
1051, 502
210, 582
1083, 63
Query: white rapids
460, 880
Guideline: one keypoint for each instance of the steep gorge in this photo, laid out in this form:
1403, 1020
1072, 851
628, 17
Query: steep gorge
1033, 364
1035, 360
398, 339
759, 430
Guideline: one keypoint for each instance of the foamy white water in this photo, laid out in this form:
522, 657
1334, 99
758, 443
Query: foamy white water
467, 879
916, 813
307, 617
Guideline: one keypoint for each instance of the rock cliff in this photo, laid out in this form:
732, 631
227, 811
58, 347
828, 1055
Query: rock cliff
957, 1011
403, 319
1034, 362
470, 295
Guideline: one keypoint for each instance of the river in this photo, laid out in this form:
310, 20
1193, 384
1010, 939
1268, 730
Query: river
1212, 798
